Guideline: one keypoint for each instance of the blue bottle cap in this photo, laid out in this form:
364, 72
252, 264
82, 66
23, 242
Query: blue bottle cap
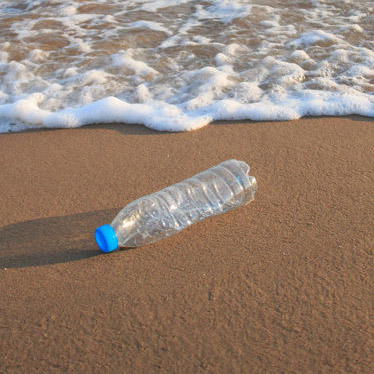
106, 238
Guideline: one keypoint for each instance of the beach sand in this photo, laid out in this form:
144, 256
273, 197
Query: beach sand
282, 285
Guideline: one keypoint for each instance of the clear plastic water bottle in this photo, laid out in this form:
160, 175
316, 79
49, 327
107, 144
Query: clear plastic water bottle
164, 213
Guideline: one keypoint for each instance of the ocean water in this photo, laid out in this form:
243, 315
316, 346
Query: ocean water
178, 65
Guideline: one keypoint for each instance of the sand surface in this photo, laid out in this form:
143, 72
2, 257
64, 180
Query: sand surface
283, 285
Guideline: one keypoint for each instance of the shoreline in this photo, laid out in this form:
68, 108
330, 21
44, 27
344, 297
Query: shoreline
283, 284
111, 125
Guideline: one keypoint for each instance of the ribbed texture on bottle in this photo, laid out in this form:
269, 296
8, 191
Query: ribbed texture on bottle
214, 191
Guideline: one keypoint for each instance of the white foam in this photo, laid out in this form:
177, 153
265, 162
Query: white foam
300, 55
3, 57
142, 93
248, 92
172, 41
155, 5
69, 10
159, 116
124, 59
222, 59
201, 39
155, 26
70, 72
93, 77
37, 55
312, 37
177, 65
224, 10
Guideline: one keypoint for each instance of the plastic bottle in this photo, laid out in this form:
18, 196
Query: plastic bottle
164, 213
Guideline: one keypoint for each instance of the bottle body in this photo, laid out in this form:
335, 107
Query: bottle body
164, 213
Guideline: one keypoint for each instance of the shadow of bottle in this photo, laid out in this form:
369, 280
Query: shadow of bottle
51, 240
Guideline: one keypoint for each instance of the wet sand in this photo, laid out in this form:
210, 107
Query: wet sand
283, 285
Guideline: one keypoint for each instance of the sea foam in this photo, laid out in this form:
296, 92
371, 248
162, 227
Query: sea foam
177, 65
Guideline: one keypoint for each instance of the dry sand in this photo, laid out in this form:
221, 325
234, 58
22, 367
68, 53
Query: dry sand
283, 285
